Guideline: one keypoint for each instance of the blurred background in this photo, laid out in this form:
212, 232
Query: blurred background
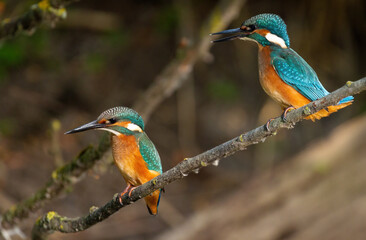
306, 183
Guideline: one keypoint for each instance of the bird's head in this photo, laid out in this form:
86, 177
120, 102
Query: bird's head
266, 29
117, 120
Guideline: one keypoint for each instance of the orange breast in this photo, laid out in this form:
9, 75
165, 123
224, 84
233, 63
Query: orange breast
128, 159
274, 86
283, 93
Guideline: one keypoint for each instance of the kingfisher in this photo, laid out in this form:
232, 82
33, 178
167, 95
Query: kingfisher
134, 153
283, 74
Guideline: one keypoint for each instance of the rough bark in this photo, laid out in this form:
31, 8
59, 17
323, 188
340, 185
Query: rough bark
319, 194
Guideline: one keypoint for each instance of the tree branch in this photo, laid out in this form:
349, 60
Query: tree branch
45, 11
164, 85
53, 222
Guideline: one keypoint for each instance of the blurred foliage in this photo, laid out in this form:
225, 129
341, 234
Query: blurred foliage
39, 43
117, 39
95, 62
12, 54
223, 90
7, 126
21, 49
167, 20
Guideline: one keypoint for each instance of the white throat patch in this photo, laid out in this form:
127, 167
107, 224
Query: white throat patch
276, 40
110, 130
133, 127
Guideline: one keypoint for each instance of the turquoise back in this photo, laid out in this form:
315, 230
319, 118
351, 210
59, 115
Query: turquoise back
149, 152
296, 72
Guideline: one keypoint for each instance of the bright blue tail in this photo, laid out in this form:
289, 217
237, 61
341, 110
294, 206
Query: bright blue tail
346, 100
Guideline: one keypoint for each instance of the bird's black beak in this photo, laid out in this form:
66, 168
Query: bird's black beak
88, 126
229, 31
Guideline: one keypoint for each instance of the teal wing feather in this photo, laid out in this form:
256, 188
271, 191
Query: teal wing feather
149, 153
296, 72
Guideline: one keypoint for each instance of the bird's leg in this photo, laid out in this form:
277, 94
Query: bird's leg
128, 189
290, 108
266, 127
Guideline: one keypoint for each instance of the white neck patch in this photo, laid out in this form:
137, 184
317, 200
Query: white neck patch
276, 40
110, 130
133, 127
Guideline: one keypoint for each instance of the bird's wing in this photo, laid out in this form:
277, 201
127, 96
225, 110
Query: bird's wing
149, 153
296, 72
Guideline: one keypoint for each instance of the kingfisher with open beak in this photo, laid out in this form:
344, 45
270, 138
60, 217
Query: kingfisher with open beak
134, 154
284, 75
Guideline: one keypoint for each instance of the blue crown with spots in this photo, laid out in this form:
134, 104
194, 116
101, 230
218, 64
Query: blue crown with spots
271, 22
123, 113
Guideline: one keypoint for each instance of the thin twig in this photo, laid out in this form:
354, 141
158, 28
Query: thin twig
53, 222
168, 81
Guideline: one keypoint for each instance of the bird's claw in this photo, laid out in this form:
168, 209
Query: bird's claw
290, 108
266, 127
130, 192
120, 195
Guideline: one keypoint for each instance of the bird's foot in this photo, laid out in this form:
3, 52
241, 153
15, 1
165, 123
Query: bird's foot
266, 127
128, 190
290, 108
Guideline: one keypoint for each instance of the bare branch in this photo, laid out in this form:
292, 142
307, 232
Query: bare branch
53, 222
164, 85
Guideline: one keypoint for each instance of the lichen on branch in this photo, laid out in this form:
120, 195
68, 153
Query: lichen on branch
42, 12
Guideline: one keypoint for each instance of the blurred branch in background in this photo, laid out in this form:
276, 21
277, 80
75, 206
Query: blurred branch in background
44, 12
60, 179
164, 85
177, 72
51, 221
186, 99
94, 20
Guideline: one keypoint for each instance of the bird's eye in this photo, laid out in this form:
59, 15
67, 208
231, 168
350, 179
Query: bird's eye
112, 120
249, 28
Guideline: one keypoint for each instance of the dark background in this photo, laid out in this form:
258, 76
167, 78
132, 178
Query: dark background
106, 53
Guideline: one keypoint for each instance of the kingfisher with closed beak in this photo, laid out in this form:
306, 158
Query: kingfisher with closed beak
284, 75
134, 154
